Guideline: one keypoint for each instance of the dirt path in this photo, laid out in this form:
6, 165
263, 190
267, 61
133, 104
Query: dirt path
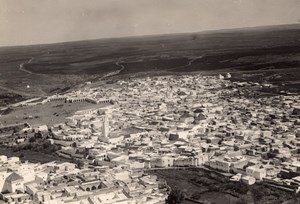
22, 66
122, 67
188, 64
16, 92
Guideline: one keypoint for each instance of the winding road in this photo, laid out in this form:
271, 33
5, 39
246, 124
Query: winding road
118, 63
16, 92
188, 64
122, 67
22, 66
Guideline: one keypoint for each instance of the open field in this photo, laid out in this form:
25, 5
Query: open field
31, 156
58, 67
49, 113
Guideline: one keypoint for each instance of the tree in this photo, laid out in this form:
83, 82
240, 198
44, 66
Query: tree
243, 200
259, 192
74, 145
32, 139
38, 134
80, 164
175, 197
46, 144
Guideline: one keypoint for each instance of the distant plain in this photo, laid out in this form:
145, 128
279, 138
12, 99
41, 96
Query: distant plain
272, 53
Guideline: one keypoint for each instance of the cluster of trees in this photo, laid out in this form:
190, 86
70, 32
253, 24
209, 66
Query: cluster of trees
257, 193
176, 196
79, 163
38, 144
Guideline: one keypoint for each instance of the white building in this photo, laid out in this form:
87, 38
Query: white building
256, 172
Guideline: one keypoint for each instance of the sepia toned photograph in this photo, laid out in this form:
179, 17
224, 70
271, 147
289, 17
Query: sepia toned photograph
150, 101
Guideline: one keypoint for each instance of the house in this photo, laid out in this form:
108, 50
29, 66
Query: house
219, 164
15, 197
64, 167
201, 159
41, 177
13, 183
187, 118
3, 159
184, 161
228, 75
32, 188
236, 177
136, 165
256, 172
249, 180
184, 135
161, 162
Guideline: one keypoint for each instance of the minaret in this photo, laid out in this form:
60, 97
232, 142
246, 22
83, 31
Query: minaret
169, 93
105, 131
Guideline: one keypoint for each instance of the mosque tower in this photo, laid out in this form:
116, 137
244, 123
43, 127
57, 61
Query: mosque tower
105, 130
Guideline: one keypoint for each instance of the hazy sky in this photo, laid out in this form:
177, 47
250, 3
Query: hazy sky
47, 21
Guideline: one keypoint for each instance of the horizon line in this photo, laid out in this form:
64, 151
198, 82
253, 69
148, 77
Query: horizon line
209, 31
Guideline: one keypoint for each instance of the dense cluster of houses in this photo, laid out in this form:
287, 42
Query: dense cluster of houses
64, 183
178, 121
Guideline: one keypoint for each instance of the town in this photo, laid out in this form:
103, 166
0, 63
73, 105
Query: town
163, 122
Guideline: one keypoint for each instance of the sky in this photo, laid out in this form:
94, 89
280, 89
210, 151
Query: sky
25, 22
